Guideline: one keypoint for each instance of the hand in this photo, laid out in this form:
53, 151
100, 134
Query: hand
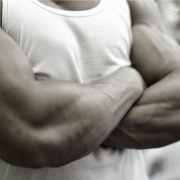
128, 75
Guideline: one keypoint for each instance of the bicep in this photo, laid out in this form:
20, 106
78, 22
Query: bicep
152, 49
153, 54
144, 11
17, 65
16, 75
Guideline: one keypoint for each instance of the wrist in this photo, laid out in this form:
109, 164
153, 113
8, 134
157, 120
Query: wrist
125, 83
133, 77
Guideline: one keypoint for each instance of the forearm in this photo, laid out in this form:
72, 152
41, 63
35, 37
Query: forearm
62, 121
154, 120
90, 113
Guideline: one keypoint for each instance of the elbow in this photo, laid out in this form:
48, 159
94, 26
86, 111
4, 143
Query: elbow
26, 155
21, 146
24, 159
43, 149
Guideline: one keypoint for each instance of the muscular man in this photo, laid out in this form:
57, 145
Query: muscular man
59, 120
54, 122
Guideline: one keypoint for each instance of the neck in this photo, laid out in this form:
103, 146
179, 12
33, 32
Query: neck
71, 5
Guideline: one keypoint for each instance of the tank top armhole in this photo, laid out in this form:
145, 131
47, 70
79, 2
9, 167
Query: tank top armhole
4, 14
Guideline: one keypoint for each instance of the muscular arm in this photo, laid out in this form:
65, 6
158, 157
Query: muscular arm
52, 123
154, 121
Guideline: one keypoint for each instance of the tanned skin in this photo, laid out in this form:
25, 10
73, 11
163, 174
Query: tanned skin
154, 121
51, 123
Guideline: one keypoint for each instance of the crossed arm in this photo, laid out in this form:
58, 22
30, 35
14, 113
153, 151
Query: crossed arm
54, 116
154, 121
51, 123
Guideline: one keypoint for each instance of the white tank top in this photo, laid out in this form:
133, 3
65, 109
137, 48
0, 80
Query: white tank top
79, 46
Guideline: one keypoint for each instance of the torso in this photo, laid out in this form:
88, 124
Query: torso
75, 36
81, 47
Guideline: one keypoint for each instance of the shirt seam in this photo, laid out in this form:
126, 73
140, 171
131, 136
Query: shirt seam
79, 14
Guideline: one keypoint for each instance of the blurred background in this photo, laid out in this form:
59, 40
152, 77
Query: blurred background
164, 163
170, 11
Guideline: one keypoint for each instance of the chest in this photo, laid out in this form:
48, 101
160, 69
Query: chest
82, 36
73, 48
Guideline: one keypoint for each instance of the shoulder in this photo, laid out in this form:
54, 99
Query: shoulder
0, 13
145, 11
